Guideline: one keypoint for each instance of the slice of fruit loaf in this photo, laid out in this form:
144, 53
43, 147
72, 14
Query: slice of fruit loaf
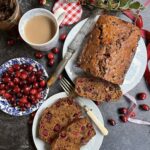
97, 89
76, 134
57, 117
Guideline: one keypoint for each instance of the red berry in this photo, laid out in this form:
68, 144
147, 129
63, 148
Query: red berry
6, 80
2, 86
39, 55
30, 68
24, 66
112, 122
51, 62
63, 36
57, 128
141, 96
16, 80
97, 103
123, 110
139, 22
123, 119
5, 74
50, 55
40, 89
132, 115
24, 75
17, 74
10, 70
31, 78
23, 100
39, 72
35, 85
55, 50
11, 42
16, 89
38, 96
2, 92
16, 67
42, 83
144, 107
33, 91
7, 95
26, 89
28, 105
42, 2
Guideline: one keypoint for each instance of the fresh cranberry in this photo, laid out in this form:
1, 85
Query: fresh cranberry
139, 22
23, 108
112, 122
16, 80
97, 103
57, 128
63, 134
144, 107
7, 96
50, 55
63, 37
38, 96
35, 85
55, 50
32, 97
123, 118
17, 74
39, 55
41, 2
31, 78
19, 95
26, 89
28, 105
24, 75
23, 83
40, 89
5, 74
2, 86
2, 92
16, 67
24, 66
10, 70
30, 68
23, 100
6, 80
39, 72
11, 42
122, 110
42, 83
33, 91
141, 96
51, 62
132, 115
16, 89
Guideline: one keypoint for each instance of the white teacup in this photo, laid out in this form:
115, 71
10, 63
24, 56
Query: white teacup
57, 18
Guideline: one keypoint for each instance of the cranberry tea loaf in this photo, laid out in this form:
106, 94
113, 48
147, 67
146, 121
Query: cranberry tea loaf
97, 89
110, 48
76, 134
57, 117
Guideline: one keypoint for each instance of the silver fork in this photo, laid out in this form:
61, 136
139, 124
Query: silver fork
69, 90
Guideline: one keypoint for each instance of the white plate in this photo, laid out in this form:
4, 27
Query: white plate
94, 143
134, 74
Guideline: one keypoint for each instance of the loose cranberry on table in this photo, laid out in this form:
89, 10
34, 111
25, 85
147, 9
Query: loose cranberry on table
50, 56
39, 55
112, 122
144, 107
123, 118
63, 36
11, 42
51, 62
55, 50
141, 96
122, 110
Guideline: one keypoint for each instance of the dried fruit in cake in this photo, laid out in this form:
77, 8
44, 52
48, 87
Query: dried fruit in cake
74, 136
97, 89
57, 117
110, 48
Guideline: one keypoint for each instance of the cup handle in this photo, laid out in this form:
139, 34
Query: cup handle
60, 15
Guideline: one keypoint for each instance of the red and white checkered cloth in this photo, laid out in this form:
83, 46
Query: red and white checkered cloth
73, 12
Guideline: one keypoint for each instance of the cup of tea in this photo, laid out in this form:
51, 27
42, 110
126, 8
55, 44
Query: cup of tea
40, 28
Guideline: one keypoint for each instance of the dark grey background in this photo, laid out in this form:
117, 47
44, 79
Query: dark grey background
15, 133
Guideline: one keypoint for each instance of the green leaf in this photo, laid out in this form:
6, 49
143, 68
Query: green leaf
125, 3
135, 5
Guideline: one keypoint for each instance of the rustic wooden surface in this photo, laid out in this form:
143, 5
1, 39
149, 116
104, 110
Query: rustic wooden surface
15, 133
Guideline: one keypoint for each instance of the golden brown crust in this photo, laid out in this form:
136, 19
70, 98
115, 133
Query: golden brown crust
110, 49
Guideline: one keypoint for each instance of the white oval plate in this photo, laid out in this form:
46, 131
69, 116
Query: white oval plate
134, 74
94, 143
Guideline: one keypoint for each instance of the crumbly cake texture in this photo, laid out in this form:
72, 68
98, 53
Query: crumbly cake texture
57, 117
97, 89
74, 136
110, 49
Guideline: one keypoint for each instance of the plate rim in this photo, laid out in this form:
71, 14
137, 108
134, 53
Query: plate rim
39, 112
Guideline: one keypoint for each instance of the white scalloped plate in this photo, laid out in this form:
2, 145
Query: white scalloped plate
93, 144
134, 74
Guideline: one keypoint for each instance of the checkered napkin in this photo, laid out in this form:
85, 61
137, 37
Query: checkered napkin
73, 11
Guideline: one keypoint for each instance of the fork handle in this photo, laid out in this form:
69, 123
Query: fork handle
97, 122
59, 69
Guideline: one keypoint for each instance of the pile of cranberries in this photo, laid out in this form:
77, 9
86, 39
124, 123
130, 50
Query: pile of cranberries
22, 85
